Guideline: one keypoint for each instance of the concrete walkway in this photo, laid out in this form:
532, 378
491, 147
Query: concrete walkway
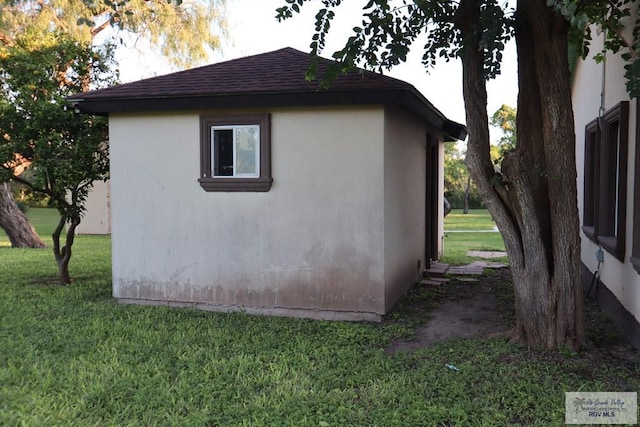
487, 254
435, 274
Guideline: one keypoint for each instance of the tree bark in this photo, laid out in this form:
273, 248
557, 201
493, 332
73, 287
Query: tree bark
466, 195
447, 207
63, 254
15, 224
534, 199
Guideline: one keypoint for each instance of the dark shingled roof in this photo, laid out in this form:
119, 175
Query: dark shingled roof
273, 79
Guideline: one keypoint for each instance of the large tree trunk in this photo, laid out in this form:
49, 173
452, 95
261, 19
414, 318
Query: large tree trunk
534, 200
20, 232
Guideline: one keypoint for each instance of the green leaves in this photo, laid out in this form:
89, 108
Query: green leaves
390, 28
632, 73
611, 18
84, 21
66, 151
184, 32
505, 119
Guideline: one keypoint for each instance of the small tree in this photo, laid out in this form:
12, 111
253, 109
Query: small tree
65, 152
183, 31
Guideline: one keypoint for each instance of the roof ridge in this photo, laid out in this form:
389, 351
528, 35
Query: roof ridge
278, 74
199, 68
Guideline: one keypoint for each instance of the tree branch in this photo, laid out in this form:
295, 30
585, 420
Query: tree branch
55, 17
56, 238
46, 191
29, 184
6, 40
478, 159
70, 237
96, 30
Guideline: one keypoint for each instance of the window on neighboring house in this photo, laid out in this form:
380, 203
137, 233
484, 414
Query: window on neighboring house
591, 166
605, 179
235, 153
635, 254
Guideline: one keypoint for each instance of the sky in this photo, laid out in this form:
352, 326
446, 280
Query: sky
253, 29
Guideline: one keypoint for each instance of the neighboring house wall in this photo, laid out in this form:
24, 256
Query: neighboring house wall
97, 218
322, 238
621, 297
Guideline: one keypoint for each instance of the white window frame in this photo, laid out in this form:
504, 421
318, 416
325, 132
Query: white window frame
256, 143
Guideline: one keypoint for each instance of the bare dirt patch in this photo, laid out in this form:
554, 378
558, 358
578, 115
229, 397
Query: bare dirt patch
464, 307
463, 318
484, 307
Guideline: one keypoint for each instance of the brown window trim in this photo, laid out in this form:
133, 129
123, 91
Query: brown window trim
591, 167
259, 184
610, 210
635, 251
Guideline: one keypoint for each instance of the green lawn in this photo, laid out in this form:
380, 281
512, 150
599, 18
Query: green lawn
457, 244
91, 254
44, 220
71, 356
476, 219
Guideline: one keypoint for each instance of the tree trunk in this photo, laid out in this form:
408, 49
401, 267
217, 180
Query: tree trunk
20, 232
466, 195
534, 201
63, 254
447, 207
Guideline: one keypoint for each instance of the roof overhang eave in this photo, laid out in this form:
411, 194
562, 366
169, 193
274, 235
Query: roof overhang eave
406, 98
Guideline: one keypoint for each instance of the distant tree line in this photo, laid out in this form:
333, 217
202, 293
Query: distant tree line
459, 189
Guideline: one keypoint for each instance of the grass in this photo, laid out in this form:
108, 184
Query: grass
44, 220
476, 219
91, 254
461, 236
71, 356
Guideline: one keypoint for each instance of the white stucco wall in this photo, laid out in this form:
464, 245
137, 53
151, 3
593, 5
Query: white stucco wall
619, 277
404, 207
314, 241
97, 215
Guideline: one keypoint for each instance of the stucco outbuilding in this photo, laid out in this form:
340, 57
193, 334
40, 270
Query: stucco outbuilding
241, 185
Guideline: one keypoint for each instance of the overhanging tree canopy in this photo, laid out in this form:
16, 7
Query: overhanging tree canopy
184, 31
533, 198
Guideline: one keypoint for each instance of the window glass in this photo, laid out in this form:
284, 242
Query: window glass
222, 152
610, 176
235, 151
591, 167
635, 252
247, 146
605, 179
